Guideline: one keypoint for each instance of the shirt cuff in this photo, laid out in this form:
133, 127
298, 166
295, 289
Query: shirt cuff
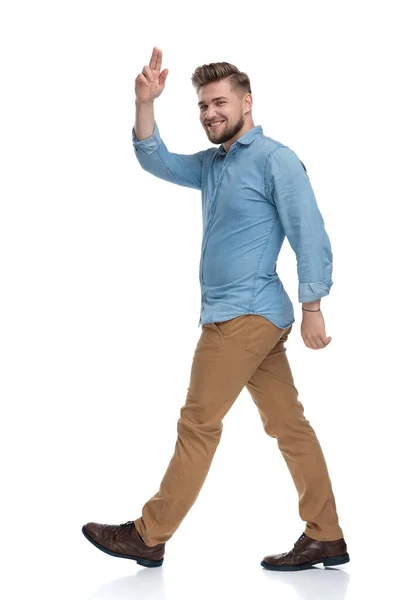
308, 292
148, 145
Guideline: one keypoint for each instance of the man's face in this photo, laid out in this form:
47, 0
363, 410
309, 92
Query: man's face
217, 102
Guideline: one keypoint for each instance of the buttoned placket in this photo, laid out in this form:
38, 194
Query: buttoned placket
225, 164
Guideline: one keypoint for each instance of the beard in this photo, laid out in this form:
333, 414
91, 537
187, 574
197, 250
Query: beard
228, 132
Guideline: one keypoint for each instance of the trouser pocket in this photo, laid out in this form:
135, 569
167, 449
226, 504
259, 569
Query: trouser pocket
231, 326
262, 335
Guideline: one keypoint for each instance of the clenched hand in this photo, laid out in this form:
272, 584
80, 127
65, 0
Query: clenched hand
313, 330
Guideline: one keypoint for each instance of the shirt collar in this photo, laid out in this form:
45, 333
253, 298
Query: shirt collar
244, 139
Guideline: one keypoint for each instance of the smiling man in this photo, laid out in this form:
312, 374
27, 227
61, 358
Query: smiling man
255, 192
218, 129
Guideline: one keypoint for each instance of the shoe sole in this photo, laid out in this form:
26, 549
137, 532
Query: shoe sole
145, 562
327, 562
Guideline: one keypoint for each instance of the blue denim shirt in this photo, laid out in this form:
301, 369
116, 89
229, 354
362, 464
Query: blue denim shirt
252, 197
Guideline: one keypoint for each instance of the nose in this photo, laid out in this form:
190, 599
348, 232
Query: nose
210, 114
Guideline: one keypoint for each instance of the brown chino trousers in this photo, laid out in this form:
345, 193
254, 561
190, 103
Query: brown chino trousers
245, 351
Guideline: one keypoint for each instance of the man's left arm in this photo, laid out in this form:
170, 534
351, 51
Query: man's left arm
289, 188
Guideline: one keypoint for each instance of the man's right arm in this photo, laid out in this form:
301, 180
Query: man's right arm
154, 157
144, 119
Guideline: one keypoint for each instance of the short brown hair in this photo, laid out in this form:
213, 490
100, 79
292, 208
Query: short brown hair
238, 81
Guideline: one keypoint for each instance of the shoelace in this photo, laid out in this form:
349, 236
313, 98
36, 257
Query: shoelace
300, 539
127, 524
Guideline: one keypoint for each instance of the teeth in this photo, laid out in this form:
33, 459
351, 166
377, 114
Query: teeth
215, 123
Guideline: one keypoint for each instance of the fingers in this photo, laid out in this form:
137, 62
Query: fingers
142, 78
316, 343
163, 76
156, 59
153, 58
147, 73
159, 60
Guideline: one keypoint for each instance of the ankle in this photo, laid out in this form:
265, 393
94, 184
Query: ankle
140, 537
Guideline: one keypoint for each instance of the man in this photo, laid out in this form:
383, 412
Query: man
255, 191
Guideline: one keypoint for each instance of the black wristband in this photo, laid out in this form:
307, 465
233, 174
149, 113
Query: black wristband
308, 310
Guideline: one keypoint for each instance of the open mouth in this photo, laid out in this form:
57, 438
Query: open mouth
215, 124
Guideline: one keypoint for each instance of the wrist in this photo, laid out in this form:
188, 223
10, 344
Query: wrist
312, 305
144, 102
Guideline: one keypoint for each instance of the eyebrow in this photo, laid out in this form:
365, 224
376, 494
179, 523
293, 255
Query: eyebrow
219, 98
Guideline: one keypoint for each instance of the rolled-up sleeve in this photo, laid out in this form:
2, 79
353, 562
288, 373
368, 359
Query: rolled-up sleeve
290, 190
154, 157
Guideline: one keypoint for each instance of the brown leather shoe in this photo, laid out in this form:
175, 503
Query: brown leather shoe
307, 552
124, 541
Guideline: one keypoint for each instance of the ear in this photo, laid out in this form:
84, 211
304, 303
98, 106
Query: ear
247, 103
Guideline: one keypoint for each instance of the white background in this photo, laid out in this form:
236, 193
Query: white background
100, 295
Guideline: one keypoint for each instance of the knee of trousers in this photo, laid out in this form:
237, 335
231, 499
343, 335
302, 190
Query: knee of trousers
192, 428
281, 429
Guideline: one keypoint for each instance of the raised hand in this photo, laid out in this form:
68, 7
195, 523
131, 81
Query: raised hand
150, 83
